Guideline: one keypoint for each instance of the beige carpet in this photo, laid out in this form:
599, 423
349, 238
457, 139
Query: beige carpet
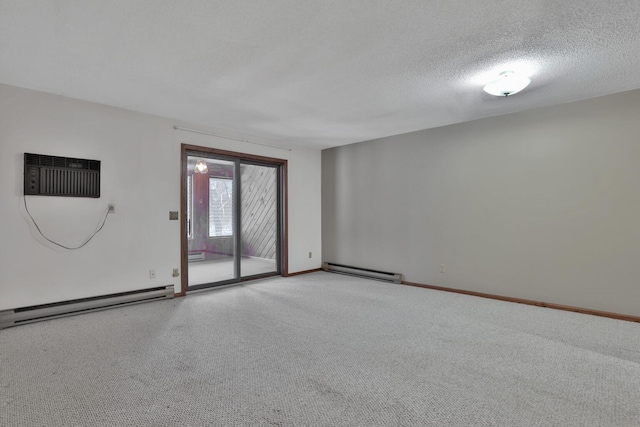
322, 350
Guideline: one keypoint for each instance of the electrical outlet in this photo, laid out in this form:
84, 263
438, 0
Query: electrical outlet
176, 272
310, 255
442, 269
152, 274
173, 215
112, 208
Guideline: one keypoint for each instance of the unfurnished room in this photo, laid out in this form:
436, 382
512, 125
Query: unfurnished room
319, 213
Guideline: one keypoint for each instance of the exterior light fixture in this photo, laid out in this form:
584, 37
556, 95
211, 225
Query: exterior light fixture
201, 167
507, 84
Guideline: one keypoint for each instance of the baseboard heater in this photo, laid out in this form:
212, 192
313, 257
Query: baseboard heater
362, 272
196, 256
36, 313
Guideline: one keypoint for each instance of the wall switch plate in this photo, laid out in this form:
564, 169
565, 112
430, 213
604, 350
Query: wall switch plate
176, 272
112, 208
173, 215
152, 274
310, 254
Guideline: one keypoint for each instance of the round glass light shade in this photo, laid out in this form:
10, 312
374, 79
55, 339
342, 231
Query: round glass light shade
508, 84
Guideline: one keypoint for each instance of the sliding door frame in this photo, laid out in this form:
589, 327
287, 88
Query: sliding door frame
281, 165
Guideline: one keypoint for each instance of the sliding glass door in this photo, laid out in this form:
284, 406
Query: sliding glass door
210, 220
232, 219
259, 219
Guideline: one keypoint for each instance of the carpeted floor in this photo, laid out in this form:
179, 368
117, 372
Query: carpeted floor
322, 350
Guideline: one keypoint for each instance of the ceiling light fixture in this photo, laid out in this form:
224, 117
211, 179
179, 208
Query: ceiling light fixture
507, 84
201, 167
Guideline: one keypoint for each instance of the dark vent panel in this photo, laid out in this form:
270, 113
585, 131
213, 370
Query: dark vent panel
61, 176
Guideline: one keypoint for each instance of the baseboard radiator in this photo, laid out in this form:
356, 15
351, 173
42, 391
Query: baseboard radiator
197, 256
362, 272
37, 313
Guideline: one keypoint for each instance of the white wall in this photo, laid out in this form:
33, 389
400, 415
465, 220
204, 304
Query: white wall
140, 157
542, 205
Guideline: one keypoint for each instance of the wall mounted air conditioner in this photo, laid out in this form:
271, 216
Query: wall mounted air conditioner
61, 176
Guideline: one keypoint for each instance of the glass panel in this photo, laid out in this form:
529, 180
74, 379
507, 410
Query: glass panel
211, 242
259, 222
189, 204
220, 207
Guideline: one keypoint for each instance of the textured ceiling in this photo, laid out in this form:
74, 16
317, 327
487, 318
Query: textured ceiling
320, 73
